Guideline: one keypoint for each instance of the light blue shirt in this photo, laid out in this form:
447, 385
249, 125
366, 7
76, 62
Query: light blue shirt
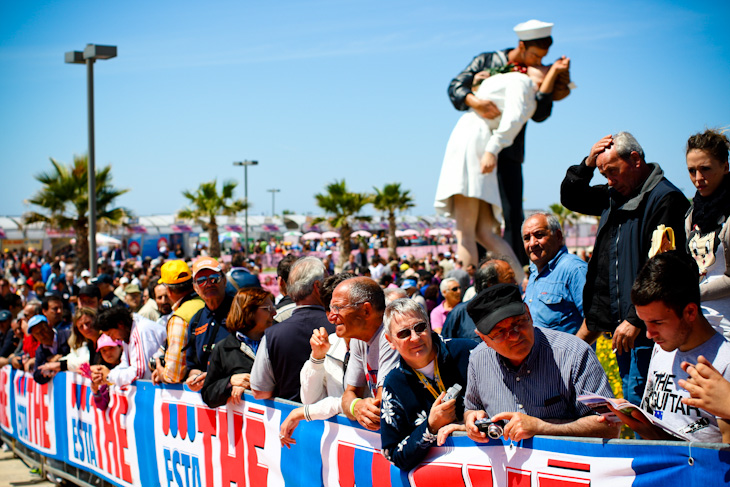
555, 295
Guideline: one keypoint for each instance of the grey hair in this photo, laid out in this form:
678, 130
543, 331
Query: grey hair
302, 276
445, 284
366, 290
552, 222
487, 275
625, 144
400, 307
393, 293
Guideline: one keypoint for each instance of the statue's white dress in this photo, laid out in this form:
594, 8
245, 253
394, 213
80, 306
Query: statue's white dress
514, 95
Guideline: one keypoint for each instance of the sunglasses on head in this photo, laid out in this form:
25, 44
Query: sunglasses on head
212, 278
419, 328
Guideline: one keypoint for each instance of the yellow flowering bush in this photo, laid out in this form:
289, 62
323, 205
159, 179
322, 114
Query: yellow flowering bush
605, 354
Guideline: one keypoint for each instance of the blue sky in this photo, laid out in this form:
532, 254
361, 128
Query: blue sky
325, 90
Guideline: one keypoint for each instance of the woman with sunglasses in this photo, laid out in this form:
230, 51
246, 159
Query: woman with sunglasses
229, 369
416, 412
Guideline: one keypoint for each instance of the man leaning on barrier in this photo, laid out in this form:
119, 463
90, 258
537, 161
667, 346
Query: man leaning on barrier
529, 377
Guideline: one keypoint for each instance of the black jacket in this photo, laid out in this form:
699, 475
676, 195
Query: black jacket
226, 360
623, 239
406, 403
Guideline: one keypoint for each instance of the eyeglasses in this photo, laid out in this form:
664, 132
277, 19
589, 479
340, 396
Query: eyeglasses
336, 310
268, 308
419, 328
212, 278
511, 331
454, 289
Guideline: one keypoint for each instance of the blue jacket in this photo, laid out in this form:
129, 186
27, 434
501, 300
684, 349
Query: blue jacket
42, 354
202, 325
406, 403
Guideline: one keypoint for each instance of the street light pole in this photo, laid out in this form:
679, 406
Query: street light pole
91, 53
245, 165
273, 192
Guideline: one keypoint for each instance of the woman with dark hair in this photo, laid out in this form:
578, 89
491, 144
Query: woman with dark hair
229, 369
708, 236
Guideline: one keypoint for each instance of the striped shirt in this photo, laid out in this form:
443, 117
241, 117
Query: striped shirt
144, 340
558, 368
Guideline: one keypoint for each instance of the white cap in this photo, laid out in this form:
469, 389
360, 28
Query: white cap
85, 273
533, 29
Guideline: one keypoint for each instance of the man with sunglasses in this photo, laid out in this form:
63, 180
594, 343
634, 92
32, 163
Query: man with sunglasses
178, 279
414, 407
207, 327
357, 309
529, 377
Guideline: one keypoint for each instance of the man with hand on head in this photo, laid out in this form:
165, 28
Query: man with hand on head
414, 407
637, 201
529, 377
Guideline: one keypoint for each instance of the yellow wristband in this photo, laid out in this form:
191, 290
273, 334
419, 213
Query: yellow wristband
352, 405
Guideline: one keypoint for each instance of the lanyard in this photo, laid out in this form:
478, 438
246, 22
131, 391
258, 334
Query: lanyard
427, 383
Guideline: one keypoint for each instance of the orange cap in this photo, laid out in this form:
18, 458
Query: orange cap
206, 263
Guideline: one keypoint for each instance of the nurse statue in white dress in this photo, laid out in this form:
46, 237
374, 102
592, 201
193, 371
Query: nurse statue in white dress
467, 189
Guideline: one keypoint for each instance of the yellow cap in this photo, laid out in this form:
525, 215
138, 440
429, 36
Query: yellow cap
174, 272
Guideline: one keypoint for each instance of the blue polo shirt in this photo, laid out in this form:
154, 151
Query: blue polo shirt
555, 295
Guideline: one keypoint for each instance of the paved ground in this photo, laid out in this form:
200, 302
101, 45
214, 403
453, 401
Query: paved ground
14, 473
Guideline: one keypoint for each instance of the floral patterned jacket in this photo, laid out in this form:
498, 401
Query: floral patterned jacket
406, 403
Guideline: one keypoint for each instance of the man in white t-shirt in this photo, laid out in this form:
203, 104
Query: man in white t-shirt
667, 298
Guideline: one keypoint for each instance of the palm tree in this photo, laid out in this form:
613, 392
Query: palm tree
344, 206
563, 215
207, 203
64, 198
391, 199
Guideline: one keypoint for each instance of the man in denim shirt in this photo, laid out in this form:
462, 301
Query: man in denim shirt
554, 291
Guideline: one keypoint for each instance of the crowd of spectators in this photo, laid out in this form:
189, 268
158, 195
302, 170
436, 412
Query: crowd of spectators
383, 341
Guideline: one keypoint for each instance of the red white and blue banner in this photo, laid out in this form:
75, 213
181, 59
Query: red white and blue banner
166, 436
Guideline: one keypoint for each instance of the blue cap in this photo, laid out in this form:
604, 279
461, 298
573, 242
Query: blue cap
35, 320
5, 315
408, 283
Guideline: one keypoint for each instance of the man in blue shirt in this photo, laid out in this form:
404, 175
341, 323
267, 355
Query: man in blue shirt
554, 291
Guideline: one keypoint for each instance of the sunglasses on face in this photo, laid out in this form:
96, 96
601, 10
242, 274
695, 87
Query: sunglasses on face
212, 278
419, 328
267, 307
454, 289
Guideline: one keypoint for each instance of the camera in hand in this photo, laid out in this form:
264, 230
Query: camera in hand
493, 429
452, 393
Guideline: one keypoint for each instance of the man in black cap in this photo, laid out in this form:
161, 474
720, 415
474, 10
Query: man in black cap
529, 377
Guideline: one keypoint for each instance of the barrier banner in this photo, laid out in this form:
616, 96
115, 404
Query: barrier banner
166, 436
101, 441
